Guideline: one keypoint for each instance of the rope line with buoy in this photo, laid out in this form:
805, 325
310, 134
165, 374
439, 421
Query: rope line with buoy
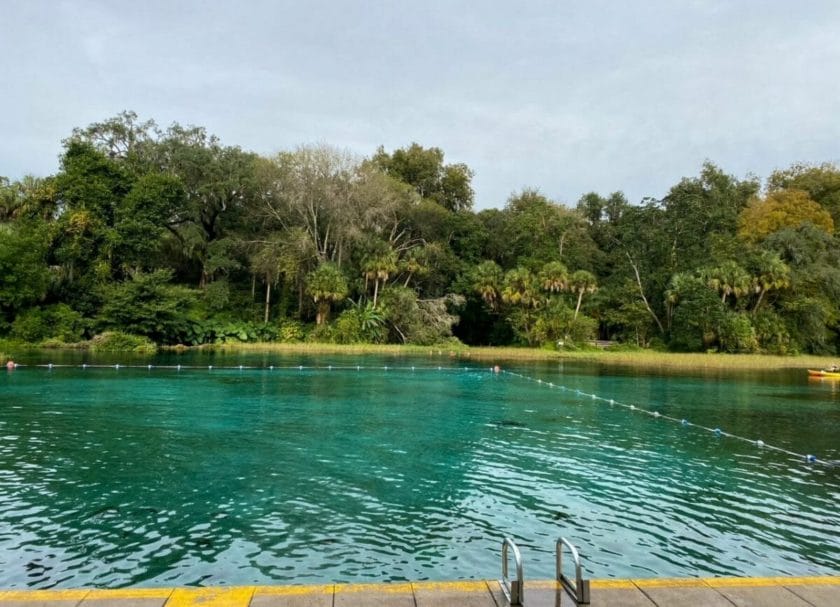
496, 370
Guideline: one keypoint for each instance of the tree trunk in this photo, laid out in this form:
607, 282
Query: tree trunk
300, 301
642, 293
267, 298
577, 308
758, 303
375, 291
323, 312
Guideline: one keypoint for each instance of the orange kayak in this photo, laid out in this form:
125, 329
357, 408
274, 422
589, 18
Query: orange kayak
823, 373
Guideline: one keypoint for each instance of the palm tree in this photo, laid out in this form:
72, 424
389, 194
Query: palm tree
379, 269
582, 282
487, 281
417, 261
326, 284
729, 278
554, 277
520, 288
770, 273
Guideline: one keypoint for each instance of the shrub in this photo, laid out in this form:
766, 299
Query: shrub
737, 334
359, 324
290, 331
59, 322
117, 341
149, 305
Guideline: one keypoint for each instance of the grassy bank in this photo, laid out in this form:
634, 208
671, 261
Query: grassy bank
642, 358
484, 355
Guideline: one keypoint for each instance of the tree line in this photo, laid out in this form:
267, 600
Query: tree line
168, 234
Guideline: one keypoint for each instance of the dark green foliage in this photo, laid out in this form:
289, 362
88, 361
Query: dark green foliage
24, 277
142, 219
360, 324
149, 305
422, 168
168, 235
117, 341
59, 322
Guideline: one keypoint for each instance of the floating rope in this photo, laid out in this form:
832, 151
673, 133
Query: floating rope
117, 366
809, 458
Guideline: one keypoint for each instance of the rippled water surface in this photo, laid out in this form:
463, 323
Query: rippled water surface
159, 477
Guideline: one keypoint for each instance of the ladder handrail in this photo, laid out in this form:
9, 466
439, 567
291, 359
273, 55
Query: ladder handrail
514, 591
579, 591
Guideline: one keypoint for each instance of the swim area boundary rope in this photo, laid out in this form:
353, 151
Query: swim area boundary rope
807, 457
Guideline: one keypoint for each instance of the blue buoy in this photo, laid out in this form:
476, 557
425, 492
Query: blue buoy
810, 458
718, 432
684, 422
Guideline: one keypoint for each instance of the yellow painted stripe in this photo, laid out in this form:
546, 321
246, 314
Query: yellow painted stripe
754, 582
671, 583
457, 586
211, 597
397, 588
293, 590
43, 595
612, 585
130, 593
235, 596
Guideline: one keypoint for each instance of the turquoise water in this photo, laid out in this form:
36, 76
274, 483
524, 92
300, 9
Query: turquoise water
115, 477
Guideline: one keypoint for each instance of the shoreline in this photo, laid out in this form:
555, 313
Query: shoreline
641, 358
646, 359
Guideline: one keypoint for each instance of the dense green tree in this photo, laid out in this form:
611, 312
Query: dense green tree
698, 209
821, 181
25, 277
449, 185
137, 212
327, 285
148, 304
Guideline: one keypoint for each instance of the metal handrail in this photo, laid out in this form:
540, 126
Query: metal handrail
514, 590
579, 591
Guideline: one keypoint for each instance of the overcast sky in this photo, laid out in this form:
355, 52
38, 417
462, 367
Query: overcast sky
567, 97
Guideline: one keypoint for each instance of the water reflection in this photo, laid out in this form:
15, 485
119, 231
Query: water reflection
134, 477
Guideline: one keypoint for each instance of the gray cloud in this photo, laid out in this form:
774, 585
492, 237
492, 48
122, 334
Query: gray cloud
564, 96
